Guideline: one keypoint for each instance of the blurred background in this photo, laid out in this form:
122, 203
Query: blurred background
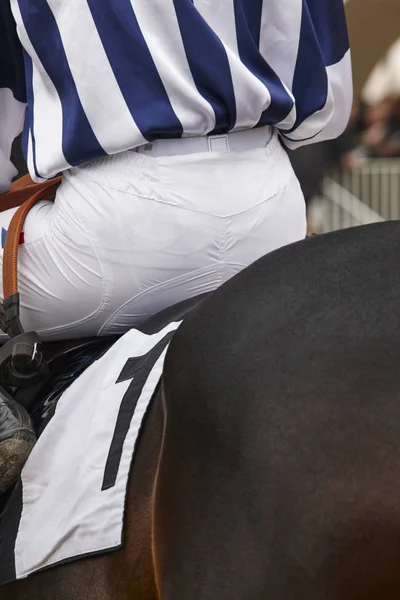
355, 179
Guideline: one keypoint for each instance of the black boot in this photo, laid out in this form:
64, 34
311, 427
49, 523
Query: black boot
17, 439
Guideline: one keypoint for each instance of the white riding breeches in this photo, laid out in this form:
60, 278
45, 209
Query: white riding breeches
131, 234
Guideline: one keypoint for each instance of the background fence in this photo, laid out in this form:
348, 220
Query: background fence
366, 195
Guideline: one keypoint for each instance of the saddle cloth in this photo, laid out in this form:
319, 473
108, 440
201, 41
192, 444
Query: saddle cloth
70, 500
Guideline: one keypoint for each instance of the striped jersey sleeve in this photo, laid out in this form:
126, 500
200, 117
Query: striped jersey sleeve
104, 76
322, 78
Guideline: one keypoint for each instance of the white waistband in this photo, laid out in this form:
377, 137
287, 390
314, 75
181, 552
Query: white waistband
238, 141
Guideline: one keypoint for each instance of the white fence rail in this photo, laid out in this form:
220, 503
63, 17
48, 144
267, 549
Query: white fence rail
366, 195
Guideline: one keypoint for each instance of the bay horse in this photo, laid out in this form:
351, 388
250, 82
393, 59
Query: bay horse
269, 462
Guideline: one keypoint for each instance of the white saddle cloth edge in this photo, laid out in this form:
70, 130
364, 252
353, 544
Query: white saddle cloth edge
65, 513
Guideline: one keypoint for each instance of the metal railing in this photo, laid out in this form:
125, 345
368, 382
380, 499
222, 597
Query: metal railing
366, 195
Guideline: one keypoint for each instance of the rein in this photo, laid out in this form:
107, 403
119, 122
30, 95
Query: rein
22, 362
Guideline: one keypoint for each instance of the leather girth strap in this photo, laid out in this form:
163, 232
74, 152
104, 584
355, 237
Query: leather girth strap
24, 193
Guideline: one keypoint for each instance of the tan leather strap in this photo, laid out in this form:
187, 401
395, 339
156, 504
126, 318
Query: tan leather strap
21, 190
22, 182
29, 194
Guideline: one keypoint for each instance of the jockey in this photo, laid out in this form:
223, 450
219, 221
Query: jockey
167, 120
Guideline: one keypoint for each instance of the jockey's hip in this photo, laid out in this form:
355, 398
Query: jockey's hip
133, 233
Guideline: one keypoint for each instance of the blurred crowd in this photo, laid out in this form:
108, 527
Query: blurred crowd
375, 130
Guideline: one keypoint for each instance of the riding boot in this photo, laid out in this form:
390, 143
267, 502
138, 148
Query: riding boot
17, 439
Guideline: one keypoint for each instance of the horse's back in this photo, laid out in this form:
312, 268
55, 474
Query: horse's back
280, 472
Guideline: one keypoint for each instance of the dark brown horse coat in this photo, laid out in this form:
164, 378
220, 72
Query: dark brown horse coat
278, 476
